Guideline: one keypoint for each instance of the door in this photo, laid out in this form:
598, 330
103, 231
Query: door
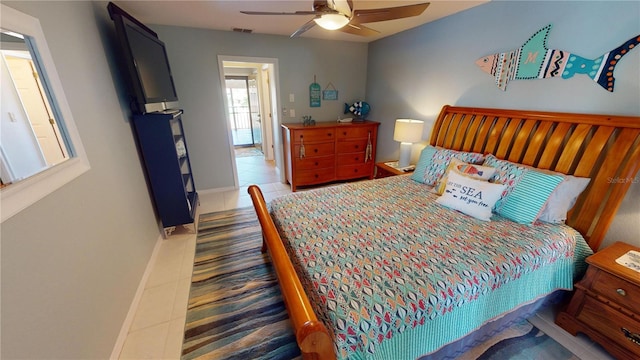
254, 112
244, 111
34, 100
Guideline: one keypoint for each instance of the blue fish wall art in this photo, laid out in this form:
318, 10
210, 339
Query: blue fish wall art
358, 108
535, 61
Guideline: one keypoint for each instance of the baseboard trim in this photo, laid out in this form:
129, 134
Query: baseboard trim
126, 325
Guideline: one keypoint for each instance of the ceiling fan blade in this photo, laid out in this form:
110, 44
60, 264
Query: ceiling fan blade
384, 14
357, 29
304, 27
279, 13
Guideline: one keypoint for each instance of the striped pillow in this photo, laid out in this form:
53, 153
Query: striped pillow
525, 203
527, 191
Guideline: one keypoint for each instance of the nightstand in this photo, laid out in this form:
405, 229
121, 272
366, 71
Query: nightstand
387, 168
606, 304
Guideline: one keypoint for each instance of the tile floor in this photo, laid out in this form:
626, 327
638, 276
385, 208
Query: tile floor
158, 326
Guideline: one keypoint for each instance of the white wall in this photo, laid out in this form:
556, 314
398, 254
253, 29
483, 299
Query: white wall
71, 262
415, 73
193, 54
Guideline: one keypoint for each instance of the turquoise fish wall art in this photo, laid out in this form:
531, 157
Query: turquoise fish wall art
535, 61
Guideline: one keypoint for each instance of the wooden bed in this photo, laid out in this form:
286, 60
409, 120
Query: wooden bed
604, 148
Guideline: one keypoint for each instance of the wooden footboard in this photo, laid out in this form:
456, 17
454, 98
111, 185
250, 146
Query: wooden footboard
311, 334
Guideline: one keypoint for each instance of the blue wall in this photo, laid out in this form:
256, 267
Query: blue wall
414, 73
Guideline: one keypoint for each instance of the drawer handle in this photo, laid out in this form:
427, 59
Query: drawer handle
315, 150
633, 337
368, 154
621, 292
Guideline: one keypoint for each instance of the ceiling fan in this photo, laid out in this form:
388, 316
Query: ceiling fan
340, 15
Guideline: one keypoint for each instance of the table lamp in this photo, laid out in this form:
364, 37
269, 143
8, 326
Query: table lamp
407, 132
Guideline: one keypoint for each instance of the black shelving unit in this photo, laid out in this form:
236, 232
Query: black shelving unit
163, 146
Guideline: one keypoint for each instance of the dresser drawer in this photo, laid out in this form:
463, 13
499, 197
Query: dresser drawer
310, 163
610, 323
315, 176
353, 171
312, 150
313, 135
618, 290
351, 159
348, 146
354, 132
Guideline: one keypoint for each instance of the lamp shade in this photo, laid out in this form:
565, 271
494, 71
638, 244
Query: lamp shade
332, 21
408, 130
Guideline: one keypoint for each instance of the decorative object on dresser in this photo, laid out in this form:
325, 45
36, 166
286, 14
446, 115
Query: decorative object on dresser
391, 168
606, 305
166, 160
329, 151
407, 132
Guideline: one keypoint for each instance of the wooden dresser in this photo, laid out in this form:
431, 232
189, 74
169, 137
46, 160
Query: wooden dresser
606, 304
329, 151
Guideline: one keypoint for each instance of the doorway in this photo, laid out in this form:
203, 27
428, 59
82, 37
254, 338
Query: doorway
250, 88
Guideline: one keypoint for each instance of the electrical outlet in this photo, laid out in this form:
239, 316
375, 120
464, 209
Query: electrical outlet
292, 113
291, 98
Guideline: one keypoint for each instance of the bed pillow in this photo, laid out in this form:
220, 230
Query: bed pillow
470, 196
433, 163
472, 170
562, 199
527, 190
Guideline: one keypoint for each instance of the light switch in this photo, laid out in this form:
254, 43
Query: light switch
292, 113
291, 98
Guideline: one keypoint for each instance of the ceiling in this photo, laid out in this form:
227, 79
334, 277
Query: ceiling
225, 15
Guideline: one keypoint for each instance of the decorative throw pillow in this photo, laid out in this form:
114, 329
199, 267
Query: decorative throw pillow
472, 170
470, 196
562, 199
423, 162
433, 163
527, 190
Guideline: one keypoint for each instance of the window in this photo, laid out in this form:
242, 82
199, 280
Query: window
40, 149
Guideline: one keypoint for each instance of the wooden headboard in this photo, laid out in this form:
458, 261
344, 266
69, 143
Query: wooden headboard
604, 148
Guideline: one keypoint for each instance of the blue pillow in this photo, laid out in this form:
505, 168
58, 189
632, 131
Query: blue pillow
424, 161
527, 191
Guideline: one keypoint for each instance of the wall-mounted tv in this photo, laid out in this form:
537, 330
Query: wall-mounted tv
147, 64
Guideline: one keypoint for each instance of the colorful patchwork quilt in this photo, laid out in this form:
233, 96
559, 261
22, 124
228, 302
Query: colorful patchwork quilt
395, 275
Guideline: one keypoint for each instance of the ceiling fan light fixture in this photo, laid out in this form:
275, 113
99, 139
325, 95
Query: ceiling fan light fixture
332, 21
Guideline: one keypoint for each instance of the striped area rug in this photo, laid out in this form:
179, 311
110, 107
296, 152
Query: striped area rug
235, 309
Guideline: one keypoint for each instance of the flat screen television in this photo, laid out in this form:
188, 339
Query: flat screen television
147, 64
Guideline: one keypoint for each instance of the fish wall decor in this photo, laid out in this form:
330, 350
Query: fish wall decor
358, 108
534, 60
